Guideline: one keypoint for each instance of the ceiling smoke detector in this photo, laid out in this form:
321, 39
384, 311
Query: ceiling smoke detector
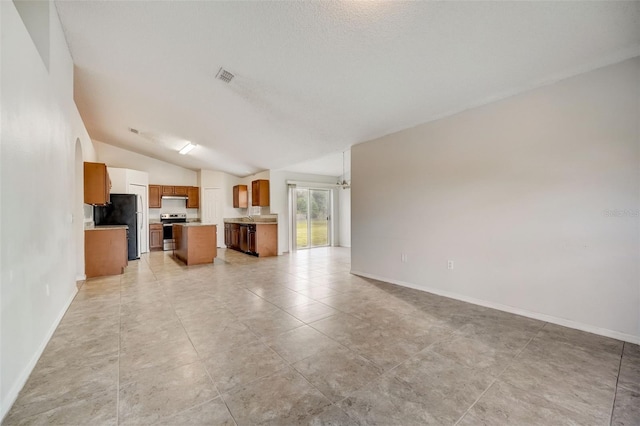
224, 75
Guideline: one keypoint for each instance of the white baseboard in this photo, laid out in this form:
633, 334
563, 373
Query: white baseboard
523, 312
81, 278
13, 393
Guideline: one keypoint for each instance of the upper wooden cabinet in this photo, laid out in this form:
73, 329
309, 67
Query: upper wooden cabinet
240, 197
260, 192
97, 184
193, 194
157, 191
181, 190
174, 190
155, 196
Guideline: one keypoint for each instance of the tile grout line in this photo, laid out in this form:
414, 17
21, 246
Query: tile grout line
615, 393
499, 374
119, 349
201, 360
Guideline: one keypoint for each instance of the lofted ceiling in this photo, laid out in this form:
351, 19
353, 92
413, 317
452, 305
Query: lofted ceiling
315, 77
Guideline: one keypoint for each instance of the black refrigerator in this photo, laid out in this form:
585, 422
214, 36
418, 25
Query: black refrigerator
121, 211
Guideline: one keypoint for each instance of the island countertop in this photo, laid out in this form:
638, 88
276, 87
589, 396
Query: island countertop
106, 227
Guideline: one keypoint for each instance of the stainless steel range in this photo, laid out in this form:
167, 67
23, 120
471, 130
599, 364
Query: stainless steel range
168, 219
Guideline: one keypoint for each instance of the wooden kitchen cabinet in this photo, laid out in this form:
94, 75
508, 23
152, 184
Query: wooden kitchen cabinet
180, 190
257, 239
235, 236
227, 235
195, 242
105, 251
155, 237
265, 240
174, 190
155, 196
240, 197
97, 184
193, 197
260, 192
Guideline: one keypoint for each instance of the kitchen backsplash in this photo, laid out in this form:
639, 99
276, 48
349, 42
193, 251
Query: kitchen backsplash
173, 206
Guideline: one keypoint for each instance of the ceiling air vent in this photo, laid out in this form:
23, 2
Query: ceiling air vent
224, 75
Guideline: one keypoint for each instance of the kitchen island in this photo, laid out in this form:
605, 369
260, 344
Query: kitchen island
105, 250
195, 242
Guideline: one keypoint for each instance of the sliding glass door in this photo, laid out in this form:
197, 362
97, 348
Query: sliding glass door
313, 207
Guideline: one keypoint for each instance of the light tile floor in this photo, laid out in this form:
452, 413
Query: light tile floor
297, 339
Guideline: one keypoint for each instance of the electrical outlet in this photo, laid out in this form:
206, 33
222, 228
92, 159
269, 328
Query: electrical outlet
450, 264
403, 257
48, 291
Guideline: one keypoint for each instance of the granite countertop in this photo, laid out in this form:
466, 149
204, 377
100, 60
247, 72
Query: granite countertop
106, 227
246, 221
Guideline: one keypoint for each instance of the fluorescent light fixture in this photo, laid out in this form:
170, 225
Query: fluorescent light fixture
187, 148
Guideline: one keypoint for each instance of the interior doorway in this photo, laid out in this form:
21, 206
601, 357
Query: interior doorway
212, 211
312, 218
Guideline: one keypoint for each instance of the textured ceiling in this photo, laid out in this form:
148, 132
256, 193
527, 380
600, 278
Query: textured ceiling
313, 78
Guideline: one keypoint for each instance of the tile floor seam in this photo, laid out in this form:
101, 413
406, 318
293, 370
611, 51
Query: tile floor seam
291, 367
235, 388
615, 393
172, 280
119, 353
499, 374
201, 361
219, 393
342, 344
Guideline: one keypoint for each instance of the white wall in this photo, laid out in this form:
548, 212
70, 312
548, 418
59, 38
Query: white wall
40, 126
160, 172
518, 194
344, 215
279, 201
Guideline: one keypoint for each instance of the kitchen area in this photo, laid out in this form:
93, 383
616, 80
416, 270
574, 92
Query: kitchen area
126, 216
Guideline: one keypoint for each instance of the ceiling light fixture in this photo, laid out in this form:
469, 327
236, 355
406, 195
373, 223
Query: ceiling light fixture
224, 75
187, 148
344, 184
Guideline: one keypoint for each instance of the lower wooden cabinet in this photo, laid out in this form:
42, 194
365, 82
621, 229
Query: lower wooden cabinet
155, 237
105, 251
255, 239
